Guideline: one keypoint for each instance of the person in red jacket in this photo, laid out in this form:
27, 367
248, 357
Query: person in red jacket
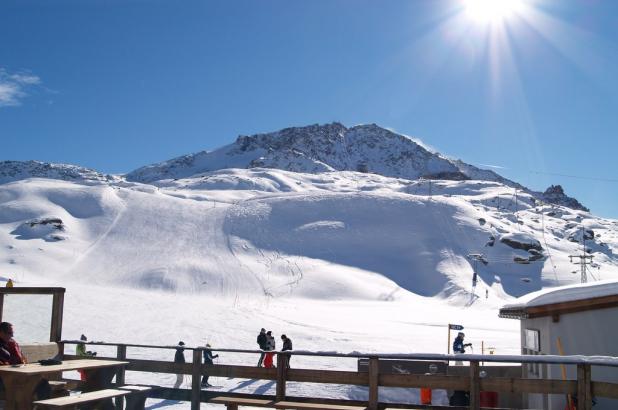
10, 354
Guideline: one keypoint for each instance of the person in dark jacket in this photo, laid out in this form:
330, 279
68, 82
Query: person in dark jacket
179, 357
458, 345
208, 361
262, 342
287, 345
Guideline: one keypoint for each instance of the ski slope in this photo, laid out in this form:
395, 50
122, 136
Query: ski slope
339, 261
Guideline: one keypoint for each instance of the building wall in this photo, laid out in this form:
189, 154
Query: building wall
590, 333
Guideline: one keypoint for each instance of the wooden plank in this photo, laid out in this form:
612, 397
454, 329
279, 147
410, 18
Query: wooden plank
55, 332
374, 375
588, 375
195, 379
136, 388
28, 290
584, 388
605, 389
121, 354
67, 401
243, 401
67, 365
281, 376
514, 385
328, 376
420, 380
475, 387
314, 406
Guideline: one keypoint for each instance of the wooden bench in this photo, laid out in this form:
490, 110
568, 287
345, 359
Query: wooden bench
232, 403
136, 400
71, 402
315, 406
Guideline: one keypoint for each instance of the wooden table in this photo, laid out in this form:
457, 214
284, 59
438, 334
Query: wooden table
20, 382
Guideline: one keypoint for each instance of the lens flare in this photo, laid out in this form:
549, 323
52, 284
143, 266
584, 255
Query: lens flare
492, 11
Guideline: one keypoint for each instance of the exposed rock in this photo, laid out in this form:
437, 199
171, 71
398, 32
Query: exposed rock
576, 235
521, 241
555, 195
54, 222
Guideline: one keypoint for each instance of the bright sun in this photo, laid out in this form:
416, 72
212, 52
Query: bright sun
492, 11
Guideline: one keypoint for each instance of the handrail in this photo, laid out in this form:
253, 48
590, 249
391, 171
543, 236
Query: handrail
609, 361
583, 386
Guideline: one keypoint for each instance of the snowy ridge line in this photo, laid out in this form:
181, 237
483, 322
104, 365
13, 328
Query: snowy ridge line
549, 359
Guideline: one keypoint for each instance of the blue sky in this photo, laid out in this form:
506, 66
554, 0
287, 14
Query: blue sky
114, 85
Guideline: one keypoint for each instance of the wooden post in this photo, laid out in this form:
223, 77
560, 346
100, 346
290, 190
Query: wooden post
282, 370
121, 354
196, 390
475, 386
60, 351
55, 333
374, 374
584, 387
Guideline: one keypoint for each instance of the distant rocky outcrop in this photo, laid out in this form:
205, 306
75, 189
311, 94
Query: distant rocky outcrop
555, 195
18, 170
48, 229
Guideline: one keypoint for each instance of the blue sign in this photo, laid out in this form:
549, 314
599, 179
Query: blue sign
455, 327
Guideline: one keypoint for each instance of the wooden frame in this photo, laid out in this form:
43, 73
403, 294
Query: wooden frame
55, 333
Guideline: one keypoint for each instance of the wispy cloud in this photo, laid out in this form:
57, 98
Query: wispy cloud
14, 86
493, 166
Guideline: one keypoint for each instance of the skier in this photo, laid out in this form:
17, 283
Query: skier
208, 361
9, 283
270, 346
459, 345
287, 345
262, 343
179, 357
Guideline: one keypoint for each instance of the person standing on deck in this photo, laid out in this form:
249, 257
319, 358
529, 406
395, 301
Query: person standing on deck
208, 361
80, 350
179, 357
287, 345
262, 343
270, 346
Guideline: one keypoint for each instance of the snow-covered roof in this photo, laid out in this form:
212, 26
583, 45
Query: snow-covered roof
596, 295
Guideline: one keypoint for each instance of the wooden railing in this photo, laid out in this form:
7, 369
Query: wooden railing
583, 387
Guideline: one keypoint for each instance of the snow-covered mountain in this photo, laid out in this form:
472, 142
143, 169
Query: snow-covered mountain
332, 147
285, 213
18, 170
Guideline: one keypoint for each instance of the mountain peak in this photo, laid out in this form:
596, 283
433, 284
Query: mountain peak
17, 170
316, 148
